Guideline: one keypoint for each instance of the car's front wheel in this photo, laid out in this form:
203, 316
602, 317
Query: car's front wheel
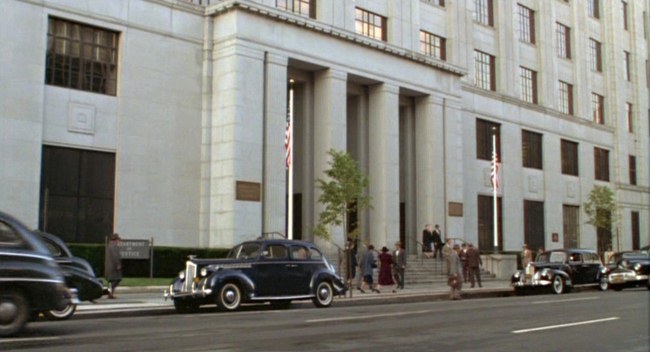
62, 314
229, 297
603, 284
14, 311
324, 294
559, 285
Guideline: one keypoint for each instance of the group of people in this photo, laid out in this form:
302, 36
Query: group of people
391, 267
463, 265
432, 241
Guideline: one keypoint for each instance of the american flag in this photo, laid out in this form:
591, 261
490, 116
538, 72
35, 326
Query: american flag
287, 144
494, 171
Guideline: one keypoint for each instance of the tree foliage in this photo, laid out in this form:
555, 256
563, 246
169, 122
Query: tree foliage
600, 206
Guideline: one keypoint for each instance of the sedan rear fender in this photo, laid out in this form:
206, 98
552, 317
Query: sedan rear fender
325, 275
219, 278
563, 274
88, 286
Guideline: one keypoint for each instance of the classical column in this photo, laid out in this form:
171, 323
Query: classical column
427, 141
383, 162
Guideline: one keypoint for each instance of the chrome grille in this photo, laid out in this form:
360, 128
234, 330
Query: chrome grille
190, 274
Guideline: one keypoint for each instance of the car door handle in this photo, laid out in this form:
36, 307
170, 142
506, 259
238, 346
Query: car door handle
292, 265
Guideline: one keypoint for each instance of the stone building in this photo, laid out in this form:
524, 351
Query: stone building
166, 118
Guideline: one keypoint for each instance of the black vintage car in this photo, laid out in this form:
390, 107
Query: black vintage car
628, 269
265, 270
31, 282
560, 270
78, 275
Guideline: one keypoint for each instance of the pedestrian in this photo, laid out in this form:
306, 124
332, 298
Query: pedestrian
526, 256
385, 269
361, 252
351, 252
539, 252
608, 255
463, 260
368, 263
113, 264
437, 242
455, 273
448, 249
427, 240
399, 262
474, 263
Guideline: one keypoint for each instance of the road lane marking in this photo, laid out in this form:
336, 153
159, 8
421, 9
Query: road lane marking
28, 339
565, 325
363, 317
567, 300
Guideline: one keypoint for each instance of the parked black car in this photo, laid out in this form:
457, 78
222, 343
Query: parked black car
78, 275
628, 269
265, 270
560, 270
31, 282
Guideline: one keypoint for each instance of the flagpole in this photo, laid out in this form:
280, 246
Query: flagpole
494, 190
290, 162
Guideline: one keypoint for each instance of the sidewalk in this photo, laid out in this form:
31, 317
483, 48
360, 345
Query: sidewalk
137, 301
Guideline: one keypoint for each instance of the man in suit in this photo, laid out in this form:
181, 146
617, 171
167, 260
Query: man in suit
455, 273
437, 242
399, 264
427, 240
473, 263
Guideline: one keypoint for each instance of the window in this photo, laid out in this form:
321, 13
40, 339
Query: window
433, 45
8, 237
486, 223
595, 55
440, 3
484, 70
484, 12
630, 117
531, 149
301, 7
484, 131
601, 164
566, 98
81, 57
563, 41
370, 24
299, 252
275, 251
632, 166
598, 108
534, 224
624, 15
626, 65
571, 226
569, 158
528, 82
526, 24
636, 233
593, 8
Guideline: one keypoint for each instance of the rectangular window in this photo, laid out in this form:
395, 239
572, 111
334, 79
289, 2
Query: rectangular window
625, 15
630, 117
370, 24
563, 41
626, 65
484, 12
598, 108
571, 226
636, 231
433, 45
484, 70
528, 82
440, 3
531, 149
81, 57
566, 98
569, 158
526, 24
595, 55
484, 131
486, 223
632, 166
302, 7
593, 8
534, 224
601, 164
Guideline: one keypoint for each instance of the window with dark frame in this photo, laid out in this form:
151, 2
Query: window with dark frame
528, 83
630, 117
598, 108
625, 15
81, 56
531, 149
569, 158
636, 230
526, 24
632, 167
563, 40
626, 65
484, 70
486, 223
571, 226
534, 224
370, 24
440, 3
484, 12
433, 45
305, 8
595, 55
593, 8
601, 164
484, 131
566, 98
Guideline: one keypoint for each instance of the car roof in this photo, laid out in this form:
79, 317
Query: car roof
58, 241
578, 250
282, 241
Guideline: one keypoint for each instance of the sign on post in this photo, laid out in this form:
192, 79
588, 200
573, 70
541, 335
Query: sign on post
137, 249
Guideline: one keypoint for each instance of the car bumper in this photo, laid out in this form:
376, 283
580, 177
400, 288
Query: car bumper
626, 278
196, 293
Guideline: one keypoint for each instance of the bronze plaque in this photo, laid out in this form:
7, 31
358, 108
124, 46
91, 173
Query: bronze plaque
455, 209
555, 237
248, 191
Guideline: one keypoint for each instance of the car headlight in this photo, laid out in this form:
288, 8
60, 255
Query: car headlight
204, 272
516, 274
181, 275
637, 266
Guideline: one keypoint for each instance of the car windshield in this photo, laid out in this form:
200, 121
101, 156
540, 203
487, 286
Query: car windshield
551, 257
245, 251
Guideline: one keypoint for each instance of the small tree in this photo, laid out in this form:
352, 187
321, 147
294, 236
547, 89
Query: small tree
342, 194
600, 207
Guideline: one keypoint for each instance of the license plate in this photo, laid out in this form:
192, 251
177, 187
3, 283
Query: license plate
617, 280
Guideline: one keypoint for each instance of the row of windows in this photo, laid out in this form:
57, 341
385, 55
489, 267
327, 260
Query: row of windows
532, 152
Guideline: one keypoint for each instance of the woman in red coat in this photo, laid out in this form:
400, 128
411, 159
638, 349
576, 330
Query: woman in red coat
385, 268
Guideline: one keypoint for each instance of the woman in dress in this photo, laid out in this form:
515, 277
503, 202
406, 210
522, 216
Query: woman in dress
385, 269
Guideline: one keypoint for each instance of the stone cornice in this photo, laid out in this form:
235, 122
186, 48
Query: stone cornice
310, 24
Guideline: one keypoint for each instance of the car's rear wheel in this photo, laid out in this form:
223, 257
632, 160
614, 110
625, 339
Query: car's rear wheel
603, 285
62, 314
282, 304
558, 285
14, 312
185, 307
324, 294
229, 297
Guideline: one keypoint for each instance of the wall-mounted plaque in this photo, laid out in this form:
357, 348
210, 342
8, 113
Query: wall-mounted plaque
455, 209
248, 191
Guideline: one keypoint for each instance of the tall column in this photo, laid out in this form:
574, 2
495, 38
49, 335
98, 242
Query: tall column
383, 162
330, 100
274, 186
425, 141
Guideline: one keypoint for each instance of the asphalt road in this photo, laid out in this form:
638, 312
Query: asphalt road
583, 321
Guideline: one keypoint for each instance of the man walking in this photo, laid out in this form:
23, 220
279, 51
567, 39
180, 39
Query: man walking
437, 242
399, 264
474, 262
113, 264
455, 273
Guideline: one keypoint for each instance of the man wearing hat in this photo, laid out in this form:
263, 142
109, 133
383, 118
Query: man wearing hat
113, 264
455, 273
